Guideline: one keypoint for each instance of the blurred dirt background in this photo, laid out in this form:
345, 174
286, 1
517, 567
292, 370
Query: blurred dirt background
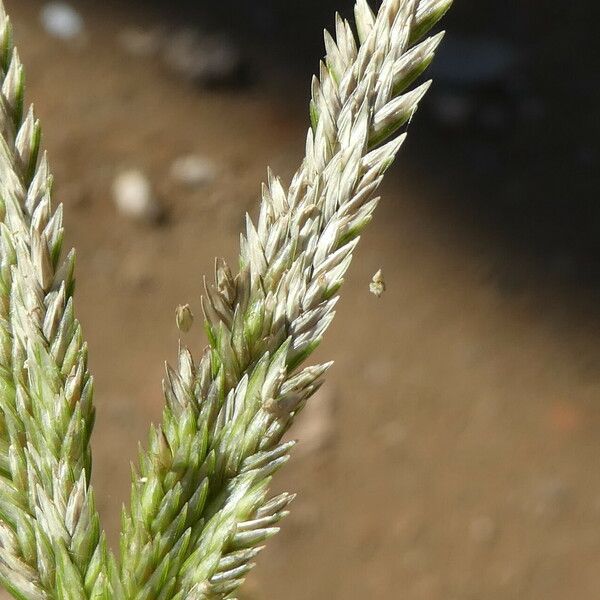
453, 452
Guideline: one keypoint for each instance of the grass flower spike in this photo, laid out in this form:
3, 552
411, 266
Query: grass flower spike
200, 508
50, 540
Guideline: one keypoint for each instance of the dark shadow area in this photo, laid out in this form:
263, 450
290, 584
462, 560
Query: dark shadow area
522, 159
512, 127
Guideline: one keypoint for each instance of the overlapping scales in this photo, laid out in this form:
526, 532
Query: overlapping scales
225, 417
50, 540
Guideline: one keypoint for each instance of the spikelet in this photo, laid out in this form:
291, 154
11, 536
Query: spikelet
50, 540
200, 507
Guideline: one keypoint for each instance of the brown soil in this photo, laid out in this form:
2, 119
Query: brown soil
462, 459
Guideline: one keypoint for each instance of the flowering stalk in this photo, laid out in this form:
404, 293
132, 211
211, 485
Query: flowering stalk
50, 540
200, 510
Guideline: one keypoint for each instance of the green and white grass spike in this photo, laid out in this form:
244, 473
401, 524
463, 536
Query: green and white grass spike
200, 509
51, 538
238, 401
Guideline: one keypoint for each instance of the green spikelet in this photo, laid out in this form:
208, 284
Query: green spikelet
50, 540
200, 506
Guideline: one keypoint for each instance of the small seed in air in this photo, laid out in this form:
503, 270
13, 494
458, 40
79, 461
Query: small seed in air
377, 285
184, 318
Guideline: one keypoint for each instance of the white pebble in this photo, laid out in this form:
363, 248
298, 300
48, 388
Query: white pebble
62, 21
193, 170
132, 194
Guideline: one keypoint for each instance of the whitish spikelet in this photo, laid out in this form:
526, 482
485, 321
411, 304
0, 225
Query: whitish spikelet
199, 509
50, 536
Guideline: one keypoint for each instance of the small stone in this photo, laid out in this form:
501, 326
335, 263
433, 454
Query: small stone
377, 285
482, 529
140, 42
184, 318
193, 170
208, 60
133, 196
61, 20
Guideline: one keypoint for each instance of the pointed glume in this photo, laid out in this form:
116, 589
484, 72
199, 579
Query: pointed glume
50, 537
200, 508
